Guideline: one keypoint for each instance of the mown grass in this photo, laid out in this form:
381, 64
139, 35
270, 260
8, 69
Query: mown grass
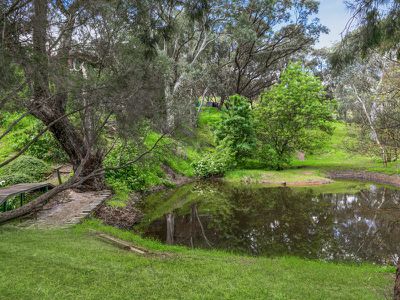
336, 155
274, 177
74, 264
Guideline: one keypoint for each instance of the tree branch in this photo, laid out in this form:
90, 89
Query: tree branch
42, 132
13, 124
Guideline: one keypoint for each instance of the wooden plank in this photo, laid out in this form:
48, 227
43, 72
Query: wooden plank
121, 244
20, 188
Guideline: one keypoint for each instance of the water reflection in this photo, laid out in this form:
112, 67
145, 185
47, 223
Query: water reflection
362, 226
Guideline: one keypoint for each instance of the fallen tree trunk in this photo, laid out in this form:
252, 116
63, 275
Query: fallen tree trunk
34, 205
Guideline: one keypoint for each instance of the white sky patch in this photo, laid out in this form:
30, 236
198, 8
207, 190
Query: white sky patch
334, 15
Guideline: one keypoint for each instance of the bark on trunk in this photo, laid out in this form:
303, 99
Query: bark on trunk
169, 104
47, 108
93, 163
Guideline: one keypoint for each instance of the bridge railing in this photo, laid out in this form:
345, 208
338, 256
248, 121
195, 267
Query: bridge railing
18, 195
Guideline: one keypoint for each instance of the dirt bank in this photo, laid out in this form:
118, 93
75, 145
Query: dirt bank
126, 217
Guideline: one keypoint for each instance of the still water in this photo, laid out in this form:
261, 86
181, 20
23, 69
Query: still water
352, 222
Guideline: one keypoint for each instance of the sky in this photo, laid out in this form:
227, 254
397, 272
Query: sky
334, 15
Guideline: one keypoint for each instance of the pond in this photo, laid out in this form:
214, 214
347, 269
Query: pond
343, 221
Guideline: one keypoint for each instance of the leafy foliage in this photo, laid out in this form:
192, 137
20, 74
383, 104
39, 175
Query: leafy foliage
46, 148
10, 179
132, 177
236, 129
288, 114
378, 29
214, 164
27, 165
22, 170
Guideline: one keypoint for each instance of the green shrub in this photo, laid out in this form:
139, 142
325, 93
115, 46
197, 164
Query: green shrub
214, 164
6, 180
129, 177
32, 167
134, 177
236, 129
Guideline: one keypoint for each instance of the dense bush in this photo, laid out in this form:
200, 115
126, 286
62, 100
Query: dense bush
28, 166
214, 164
6, 180
134, 177
46, 148
236, 129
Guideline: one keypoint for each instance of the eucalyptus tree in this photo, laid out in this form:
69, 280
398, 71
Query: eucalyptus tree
370, 90
366, 65
373, 26
180, 32
259, 38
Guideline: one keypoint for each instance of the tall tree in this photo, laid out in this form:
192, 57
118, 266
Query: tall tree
259, 38
180, 31
374, 26
70, 54
370, 90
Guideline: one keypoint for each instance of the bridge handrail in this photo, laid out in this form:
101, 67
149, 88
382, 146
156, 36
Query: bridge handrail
22, 188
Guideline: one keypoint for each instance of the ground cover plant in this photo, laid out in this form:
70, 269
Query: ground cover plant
74, 264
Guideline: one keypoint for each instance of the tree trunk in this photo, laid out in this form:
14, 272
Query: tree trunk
170, 220
80, 154
48, 108
169, 105
95, 183
34, 205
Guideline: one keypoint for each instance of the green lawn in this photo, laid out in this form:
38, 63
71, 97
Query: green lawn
74, 264
275, 177
335, 155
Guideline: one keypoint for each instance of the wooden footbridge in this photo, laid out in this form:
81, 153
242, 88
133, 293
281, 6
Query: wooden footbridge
21, 190
68, 208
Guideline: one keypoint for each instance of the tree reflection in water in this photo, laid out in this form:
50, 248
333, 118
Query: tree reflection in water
362, 226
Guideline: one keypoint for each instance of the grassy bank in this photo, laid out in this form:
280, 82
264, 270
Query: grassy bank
290, 176
74, 264
334, 155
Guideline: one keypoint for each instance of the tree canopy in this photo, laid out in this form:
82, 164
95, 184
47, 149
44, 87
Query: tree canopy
290, 113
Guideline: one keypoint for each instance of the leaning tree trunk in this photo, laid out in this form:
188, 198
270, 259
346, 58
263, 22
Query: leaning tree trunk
49, 108
81, 155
